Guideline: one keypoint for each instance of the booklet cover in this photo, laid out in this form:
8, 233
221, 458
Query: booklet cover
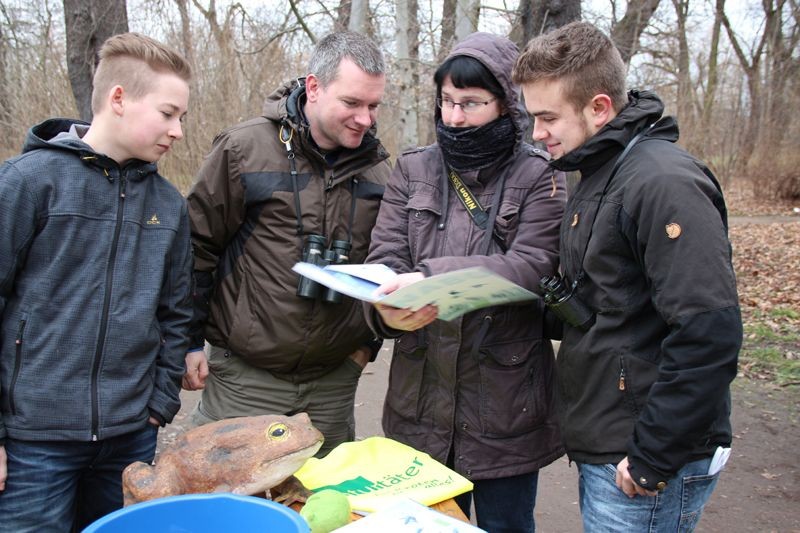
454, 293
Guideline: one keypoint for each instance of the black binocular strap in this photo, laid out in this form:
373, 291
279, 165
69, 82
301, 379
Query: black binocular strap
615, 168
287, 141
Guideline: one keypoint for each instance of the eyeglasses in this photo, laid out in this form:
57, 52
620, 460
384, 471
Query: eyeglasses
467, 107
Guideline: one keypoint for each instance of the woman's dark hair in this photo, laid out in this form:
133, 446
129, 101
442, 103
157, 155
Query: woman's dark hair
465, 71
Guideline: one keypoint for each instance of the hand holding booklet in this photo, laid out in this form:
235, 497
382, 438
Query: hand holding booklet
453, 293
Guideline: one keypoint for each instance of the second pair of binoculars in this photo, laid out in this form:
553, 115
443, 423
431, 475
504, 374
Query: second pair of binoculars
316, 253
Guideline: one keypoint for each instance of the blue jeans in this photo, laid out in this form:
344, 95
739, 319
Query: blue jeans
503, 505
677, 508
61, 486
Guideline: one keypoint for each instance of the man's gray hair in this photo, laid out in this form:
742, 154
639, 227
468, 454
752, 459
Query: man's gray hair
330, 51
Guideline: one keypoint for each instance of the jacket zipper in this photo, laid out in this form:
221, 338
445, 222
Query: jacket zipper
106, 305
17, 366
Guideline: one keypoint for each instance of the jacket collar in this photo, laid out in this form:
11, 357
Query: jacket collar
644, 108
285, 106
53, 134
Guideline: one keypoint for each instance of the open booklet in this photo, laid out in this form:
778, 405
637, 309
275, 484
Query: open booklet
454, 293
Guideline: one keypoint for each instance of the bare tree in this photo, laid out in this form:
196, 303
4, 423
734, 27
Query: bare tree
186, 30
626, 32
5, 100
342, 16
88, 24
685, 93
712, 77
407, 79
751, 66
467, 14
447, 37
359, 12
538, 17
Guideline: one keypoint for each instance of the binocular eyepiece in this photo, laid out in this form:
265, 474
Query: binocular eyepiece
315, 252
565, 304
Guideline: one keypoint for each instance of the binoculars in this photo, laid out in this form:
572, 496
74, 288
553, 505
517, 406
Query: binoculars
315, 252
565, 304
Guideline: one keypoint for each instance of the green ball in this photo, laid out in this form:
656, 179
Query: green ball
326, 511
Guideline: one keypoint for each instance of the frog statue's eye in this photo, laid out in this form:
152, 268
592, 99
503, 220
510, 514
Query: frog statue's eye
277, 431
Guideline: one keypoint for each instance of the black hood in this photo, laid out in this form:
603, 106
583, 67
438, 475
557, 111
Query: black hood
643, 109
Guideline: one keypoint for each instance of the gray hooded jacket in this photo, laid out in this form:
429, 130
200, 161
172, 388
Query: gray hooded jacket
95, 271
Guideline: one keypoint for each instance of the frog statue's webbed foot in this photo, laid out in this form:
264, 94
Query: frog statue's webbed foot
290, 491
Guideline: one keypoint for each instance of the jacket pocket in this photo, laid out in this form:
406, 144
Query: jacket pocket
514, 389
406, 374
18, 352
423, 219
219, 360
506, 223
635, 377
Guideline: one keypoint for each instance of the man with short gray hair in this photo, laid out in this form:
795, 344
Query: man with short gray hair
307, 176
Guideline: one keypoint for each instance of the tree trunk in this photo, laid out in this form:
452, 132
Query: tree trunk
627, 31
342, 16
752, 68
88, 24
467, 14
685, 96
5, 100
407, 41
448, 36
536, 18
713, 70
359, 10
186, 31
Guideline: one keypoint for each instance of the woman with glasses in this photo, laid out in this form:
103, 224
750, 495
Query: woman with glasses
475, 392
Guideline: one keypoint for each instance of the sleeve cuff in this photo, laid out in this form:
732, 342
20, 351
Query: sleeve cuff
161, 421
374, 346
646, 477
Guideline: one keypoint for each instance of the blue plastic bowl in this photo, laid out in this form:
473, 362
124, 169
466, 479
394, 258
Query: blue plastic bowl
202, 513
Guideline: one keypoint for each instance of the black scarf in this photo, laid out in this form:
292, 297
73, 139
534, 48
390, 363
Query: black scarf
475, 148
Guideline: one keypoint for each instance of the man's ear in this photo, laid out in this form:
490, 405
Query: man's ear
601, 109
116, 99
312, 88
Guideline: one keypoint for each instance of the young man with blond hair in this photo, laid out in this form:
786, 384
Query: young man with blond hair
95, 289
644, 373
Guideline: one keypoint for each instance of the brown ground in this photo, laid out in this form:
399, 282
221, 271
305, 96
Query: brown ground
759, 489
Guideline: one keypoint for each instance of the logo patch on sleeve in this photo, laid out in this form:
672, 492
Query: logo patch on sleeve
673, 230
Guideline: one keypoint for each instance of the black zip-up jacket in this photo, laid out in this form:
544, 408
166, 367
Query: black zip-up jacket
95, 270
650, 379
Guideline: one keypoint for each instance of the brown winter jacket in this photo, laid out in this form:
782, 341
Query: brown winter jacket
493, 405
244, 232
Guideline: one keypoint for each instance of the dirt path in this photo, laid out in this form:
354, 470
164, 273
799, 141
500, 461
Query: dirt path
758, 491
762, 219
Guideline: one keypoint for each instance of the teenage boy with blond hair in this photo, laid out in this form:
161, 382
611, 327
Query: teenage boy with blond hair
95, 293
643, 386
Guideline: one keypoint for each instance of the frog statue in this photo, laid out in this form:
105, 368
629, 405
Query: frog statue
247, 455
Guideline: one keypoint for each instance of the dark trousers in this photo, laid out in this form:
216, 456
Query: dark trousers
503, 505
63, 486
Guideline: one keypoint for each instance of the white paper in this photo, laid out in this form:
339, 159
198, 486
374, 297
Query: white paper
718, 461
454, 293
